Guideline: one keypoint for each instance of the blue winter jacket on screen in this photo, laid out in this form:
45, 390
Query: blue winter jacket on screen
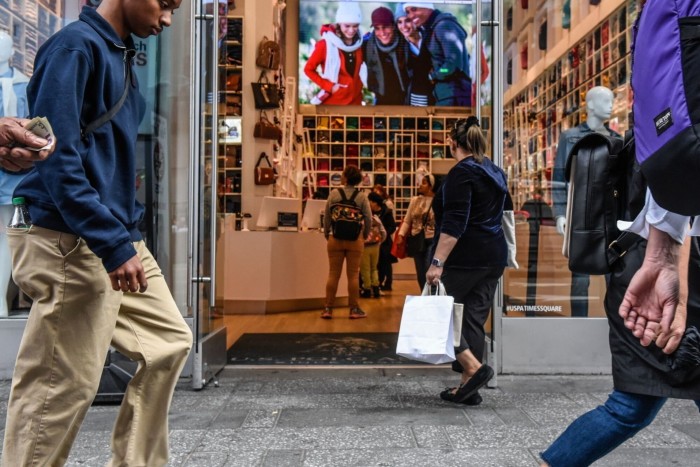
87, 186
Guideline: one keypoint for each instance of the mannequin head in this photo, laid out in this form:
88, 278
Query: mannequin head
6, 49
599, 102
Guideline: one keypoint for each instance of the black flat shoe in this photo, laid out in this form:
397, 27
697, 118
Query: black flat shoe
473, 400
476, 382
450, 395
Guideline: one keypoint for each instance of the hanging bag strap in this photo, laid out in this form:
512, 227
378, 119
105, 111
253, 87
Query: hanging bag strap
262, 157
426, 216
107, 116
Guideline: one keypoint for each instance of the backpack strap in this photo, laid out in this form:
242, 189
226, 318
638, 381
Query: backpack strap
343, 196
107, 116
354, 195
619, 247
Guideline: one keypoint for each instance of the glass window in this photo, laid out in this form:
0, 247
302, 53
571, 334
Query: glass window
544, 116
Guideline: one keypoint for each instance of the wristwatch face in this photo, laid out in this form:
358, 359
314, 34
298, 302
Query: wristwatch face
436, 262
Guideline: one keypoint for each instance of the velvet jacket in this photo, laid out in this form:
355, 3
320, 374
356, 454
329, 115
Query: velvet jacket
469, 206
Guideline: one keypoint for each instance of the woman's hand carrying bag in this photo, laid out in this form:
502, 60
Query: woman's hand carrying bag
429, 328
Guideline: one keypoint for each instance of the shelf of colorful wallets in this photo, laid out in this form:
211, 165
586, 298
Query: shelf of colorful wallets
556, 101
393, 151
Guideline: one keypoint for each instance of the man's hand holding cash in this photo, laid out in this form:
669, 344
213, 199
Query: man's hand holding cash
24, 141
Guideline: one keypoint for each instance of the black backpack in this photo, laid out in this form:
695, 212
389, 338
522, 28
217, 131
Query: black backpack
347, 220
605, 185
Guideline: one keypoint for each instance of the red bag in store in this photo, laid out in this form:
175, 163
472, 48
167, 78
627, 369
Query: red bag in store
398, 251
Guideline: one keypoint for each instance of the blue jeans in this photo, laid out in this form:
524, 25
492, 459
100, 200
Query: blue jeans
598, 432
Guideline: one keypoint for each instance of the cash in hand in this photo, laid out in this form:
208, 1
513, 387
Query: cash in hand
41, 127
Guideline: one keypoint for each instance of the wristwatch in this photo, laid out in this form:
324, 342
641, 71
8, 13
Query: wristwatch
437, 262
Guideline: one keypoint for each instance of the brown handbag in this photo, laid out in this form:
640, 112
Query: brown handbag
264, 128
264, 175
268, 54
265, 94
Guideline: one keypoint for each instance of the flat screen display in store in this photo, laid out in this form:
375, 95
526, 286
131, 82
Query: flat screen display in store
395, 62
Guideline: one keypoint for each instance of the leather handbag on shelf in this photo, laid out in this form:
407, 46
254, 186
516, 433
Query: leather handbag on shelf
264, 128
268, 54
266, 94
264, 175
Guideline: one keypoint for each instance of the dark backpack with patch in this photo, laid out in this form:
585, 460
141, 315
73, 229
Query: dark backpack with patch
605, 185
347, 220
665, 70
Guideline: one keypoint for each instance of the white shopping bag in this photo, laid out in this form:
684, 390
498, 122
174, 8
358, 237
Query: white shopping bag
426, 333
457, 313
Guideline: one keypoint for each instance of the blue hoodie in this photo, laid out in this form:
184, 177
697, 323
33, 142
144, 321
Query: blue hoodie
87, 187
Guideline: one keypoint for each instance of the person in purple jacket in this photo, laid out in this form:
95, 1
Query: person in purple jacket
83, 262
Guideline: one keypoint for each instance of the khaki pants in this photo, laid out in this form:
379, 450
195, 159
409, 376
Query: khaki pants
368, 266
74, 317
338, 252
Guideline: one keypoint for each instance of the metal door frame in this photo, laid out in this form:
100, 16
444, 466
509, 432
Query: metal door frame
209, 346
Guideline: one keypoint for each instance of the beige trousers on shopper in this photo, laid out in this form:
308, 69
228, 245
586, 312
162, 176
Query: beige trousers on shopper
74, 317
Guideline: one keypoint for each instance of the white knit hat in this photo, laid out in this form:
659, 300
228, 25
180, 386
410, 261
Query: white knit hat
348, 13
419, 5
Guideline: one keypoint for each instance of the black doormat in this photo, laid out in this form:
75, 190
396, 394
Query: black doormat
372, 348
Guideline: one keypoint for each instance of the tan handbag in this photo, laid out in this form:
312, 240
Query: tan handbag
268, 54
264, 175
264, 128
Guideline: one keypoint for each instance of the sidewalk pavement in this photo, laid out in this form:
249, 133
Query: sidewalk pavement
391, 416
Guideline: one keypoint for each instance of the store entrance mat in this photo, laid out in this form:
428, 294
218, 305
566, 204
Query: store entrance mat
372, 348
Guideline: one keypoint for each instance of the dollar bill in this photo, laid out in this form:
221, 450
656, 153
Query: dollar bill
41, 127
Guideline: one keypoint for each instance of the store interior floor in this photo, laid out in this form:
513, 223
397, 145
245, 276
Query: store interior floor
383, 315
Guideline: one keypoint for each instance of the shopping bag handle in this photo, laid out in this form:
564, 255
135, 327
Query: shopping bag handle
439, 289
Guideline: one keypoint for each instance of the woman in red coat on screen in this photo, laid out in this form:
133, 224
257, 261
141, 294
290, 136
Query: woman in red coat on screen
339, 53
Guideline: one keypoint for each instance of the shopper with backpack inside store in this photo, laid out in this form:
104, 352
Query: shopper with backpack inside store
347, 222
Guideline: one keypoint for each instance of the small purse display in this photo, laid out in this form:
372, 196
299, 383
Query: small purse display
266, 94
264, 175
264, 128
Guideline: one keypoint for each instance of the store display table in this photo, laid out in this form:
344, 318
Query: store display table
272, 272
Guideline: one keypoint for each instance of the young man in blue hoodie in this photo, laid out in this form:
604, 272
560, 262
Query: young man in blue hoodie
83, 262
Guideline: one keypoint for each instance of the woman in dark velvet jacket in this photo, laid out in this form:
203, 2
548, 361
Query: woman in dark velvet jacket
469, 249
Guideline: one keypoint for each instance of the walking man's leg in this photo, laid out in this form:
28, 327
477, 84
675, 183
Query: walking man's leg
151, 331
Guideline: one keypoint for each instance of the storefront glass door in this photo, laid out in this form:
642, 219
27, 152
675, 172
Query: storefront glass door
209, 331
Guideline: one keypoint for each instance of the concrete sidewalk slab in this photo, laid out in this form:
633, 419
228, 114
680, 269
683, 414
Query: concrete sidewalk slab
384, 417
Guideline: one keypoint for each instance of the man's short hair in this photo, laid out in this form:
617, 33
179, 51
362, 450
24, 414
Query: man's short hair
352, 175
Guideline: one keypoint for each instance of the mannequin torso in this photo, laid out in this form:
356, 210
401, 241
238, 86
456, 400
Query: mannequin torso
599, 102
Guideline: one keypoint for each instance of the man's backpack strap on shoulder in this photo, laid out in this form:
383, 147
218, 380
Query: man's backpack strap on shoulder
107, 116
